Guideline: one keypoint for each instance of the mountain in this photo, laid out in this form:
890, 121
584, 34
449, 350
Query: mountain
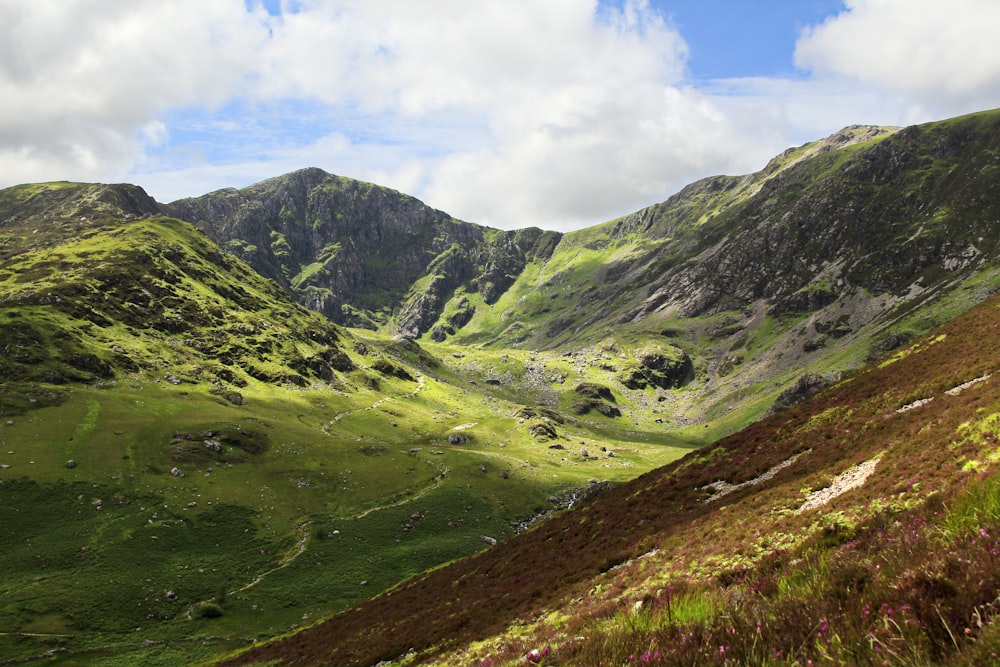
736, 288
189, 459
225, 418
359, 253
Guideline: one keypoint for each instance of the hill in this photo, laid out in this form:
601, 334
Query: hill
361, 254
734, 289
190, 460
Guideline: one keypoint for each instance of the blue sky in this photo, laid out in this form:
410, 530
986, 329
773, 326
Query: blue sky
560, 114
740, 38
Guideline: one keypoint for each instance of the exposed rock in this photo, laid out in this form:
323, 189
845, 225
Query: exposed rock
805, 386
590, 396
70, 464
386, 367
328, 240
666, 368
439, 334
235, 398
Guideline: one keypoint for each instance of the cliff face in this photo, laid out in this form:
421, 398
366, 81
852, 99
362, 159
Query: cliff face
361, 254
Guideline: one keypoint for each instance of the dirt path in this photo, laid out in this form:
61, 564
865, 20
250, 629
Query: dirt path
421, 383
433, 486
302, 531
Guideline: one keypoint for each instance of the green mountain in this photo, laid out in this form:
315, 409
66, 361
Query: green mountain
190, 460
735, 288
197, 453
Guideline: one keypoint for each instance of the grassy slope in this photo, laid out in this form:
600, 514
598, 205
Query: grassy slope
161, 318
898, 571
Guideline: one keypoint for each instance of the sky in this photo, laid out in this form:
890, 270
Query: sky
559, 114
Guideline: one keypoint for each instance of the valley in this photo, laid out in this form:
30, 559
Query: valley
229, 418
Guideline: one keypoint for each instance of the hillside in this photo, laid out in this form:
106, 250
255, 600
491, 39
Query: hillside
858, 527
834, 253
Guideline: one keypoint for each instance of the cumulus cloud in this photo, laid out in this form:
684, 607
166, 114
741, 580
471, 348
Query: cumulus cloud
557, 113
943, 55
82, 83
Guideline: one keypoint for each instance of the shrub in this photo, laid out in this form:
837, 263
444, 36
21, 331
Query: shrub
208, 610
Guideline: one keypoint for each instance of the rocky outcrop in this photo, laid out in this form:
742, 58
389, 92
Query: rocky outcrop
819, 223
667, 368
589, 396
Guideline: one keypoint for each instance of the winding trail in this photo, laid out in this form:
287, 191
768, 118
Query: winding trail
302, 531
421, 383
433, 486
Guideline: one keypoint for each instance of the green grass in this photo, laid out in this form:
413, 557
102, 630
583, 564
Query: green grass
322, 506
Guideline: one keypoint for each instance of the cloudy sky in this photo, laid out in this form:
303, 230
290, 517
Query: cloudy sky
555, 113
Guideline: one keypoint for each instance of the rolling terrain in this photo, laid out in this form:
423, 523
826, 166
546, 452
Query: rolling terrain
227, 418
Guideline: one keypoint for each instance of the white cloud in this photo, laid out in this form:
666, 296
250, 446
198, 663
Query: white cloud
943, 55
507, 112
575, 112
82, 83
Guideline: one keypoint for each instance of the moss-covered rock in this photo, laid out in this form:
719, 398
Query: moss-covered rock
667, 367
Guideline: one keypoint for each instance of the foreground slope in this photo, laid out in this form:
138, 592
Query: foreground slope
859, 526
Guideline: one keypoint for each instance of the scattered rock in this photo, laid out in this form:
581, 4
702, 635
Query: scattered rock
489, 540
236, 398
71, 464
170, 596
176, 472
